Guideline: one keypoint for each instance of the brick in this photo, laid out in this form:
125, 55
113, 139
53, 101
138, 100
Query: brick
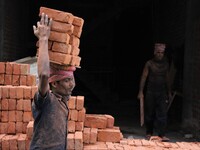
1, 136
75, 41
9, 68
79, 126
4, 104
29, 130
25, 124
5, 142
22, 80
108, 135
62, 27
12, 92
78, 21
27, 104
95, 121
19, 92
77, 31
79, 102
110, 121
20, 104
27, 92
75, 51
13, 142
86, 135
31, 80
21, 142
12, 104
2, 67
57, 14
19, 127
15, 80
24, 69
12, 115
19, 116
60, 58
16, 69
1, 91
70, 141
5, 92
61, 48
71, 103
93, 135
8, 79
4, 116
75, 61
74, 115
2, 79
27, 116
3, 128
59, 37
78, 140
81, 114
11, 128
71, 126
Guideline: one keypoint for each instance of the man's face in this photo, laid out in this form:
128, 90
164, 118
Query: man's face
65, 86
159, 51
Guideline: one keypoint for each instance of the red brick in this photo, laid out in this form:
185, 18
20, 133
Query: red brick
62, 27
75, 61
8, 79
78, 140
86, 135
79, 102
31, 80
25, 124
1, 91
75, 51
29, 130
19, 116
75, 41
19, 127
110, 121
70, 141
81, 114
5, 92
2, 79
59, 37
24, 69
9, 68
60, 58
71, 126
27, 92
33, 91
12, 91
79, 126
108, 135
93, 135
57, 14
20, 104
16, 69
3, 128
11, 128
95, 121
5, 142
4, 116
61, 48
71, 103
27, 116
2, 67
27, 104
21, 141
78, 21
15, 80
12, 115
77, 31
22, 80
74, 115
12, 104
19, 92
4, 104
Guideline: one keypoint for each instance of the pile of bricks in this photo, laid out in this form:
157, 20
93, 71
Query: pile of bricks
64, 40
17, 88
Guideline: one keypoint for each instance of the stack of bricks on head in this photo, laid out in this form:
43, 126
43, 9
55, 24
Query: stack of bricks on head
18, 86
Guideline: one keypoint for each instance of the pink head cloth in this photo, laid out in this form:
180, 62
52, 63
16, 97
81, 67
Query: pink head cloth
57, 75
159, 47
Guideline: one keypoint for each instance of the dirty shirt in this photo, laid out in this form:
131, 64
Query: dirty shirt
50, 115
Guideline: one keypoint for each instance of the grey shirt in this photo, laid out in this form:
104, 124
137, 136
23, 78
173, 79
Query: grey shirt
50, 115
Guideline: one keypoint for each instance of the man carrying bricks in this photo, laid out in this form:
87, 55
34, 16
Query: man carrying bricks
157, 92
49, 106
